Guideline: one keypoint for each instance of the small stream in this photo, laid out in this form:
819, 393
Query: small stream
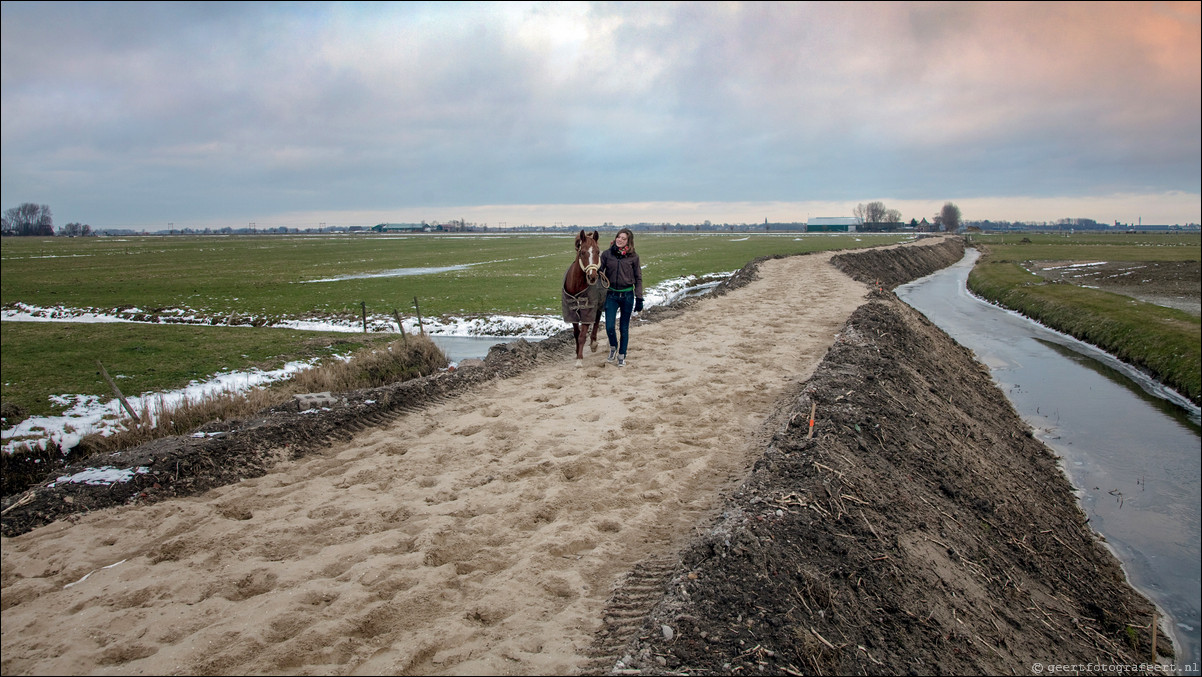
1129, 445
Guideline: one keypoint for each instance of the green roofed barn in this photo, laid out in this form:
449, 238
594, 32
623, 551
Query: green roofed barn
832, 224
400, 228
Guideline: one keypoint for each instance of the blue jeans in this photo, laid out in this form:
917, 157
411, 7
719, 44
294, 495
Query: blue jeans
614, 301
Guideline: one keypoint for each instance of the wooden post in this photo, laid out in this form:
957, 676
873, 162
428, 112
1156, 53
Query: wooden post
419, 317
813, 406
128, 409
1154, 634
400, 326
363, 305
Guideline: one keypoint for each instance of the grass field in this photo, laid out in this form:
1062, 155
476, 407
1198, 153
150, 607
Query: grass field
1165, 341
41, 359
277, 276
274, 278
1091, 246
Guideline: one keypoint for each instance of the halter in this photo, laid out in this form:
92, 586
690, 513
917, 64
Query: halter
592, 268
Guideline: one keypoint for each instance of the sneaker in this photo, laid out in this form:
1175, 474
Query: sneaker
621, 360
612, 352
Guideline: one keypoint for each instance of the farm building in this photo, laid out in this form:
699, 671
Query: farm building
400, 228
832, 224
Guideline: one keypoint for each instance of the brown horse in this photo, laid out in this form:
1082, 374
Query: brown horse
584, 292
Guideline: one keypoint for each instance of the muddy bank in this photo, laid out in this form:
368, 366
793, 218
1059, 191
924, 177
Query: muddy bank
887, 268
920, 529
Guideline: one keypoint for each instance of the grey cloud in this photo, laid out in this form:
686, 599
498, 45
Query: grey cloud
239, 108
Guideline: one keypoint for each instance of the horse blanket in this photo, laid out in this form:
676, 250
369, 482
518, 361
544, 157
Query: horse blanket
582, 308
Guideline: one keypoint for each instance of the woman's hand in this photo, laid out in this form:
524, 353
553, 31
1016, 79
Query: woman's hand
638, 305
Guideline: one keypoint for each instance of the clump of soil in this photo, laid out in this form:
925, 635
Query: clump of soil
919, 529
12, 414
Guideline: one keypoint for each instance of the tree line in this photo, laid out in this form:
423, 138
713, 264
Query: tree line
948, 218
34, 219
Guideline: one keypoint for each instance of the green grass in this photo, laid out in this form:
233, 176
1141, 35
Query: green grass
40, 359
270, 278
1091, 246
1165, 341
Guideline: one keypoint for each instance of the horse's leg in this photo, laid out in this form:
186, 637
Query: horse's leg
596, 325
579, 332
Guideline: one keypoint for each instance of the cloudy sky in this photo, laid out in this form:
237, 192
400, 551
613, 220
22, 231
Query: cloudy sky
213, 114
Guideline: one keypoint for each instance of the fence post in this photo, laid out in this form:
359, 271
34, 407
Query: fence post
128, 409
363, 305
400, 326
419, 317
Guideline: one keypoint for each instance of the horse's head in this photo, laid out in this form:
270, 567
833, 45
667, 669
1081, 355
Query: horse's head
588, 254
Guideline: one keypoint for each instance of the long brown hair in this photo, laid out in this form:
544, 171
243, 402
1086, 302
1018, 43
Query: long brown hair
629, 239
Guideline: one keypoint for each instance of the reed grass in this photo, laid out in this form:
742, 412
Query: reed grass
368, 368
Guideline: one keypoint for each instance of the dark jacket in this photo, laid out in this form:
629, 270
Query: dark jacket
623, 270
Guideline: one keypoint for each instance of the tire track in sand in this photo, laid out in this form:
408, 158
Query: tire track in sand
482, 538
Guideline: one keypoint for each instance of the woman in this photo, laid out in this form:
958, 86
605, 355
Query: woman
620, 264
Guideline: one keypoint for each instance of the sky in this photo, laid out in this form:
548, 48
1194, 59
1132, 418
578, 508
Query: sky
191, 115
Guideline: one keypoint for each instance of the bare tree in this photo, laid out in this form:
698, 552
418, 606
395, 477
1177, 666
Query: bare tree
949, 216
28, 219
892, 216
75, 229
873, 212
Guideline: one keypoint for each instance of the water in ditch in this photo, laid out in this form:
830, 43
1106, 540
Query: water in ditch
459, 348
1129, 445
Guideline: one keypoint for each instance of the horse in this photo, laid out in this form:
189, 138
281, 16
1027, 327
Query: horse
584, 292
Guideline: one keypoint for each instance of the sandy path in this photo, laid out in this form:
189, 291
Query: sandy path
481, 538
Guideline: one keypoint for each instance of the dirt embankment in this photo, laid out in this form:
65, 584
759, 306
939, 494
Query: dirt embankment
886, 268
919, 530
479, 520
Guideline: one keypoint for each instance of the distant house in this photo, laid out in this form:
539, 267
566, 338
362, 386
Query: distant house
400, 228
832, 224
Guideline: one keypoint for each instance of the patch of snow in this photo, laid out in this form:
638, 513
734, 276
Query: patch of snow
87, 414
103, 476
1078, 265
